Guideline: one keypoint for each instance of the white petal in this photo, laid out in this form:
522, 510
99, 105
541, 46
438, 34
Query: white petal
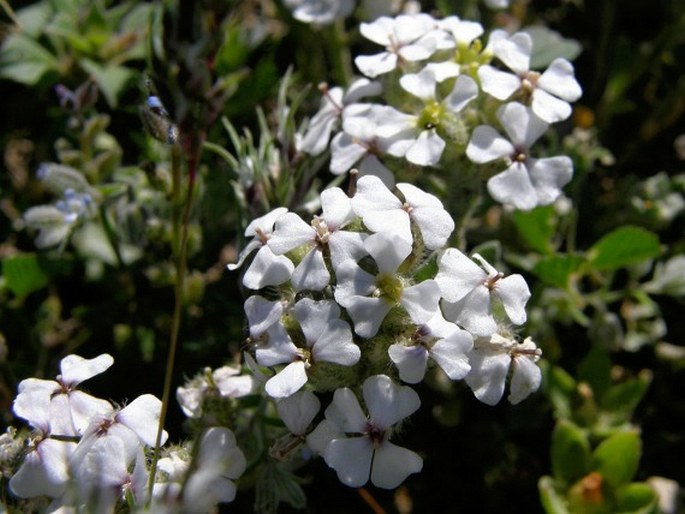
142, 416
521, 125
410, 361
345, 411
525, 379
379, 31
298, 411
443, 70
549, 108
388, 402
513, 187
416, 52
436, 226
488, 375
324, 433
465, 89
451, 354
351, 459
392, 464
549, 176
345, 152
361, 88
515, 51
421, 85
311, 273
373, 196
473, 312
352, 282
346, 246
276, 353
559, 80
374, 65
289, 233
421, 300
76, 369
487, 144
261, 314
498, 83
287, 381
367, 314
389, 250
314, 317
265, 223
33, 402
427, 149
514, 293
267, 269
458, 275
335, 345
84, 407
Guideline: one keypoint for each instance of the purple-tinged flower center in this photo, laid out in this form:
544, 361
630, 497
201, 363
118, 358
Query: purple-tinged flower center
374, 433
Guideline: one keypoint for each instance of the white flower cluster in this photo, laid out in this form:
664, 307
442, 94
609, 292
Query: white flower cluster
341, 307
442, 91
88, 455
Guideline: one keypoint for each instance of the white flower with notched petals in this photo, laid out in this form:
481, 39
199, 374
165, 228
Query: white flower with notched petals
369, 453
265, 326
327, 339
468, 290
323, 233
527, 182
266, 268
70, 410
417, 135
368, 298
403, 39
333, 105
437, 339
549, 92
382, 211
298, 411
493, 359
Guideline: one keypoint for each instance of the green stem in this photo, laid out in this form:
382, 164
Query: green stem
181, 252
111, 236
10, 13
339, 53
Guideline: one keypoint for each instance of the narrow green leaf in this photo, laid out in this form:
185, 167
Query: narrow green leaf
536, 228
617, 457
595, 369
23, 274
558, 270
625, 396
624, 246
559, 386
570, 452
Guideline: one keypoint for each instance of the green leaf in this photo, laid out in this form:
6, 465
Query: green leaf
25, 61
551, 500
637, 498
623, 247
276, 485
558, 270
570, 452
110, 79
617, 457
536, 228
32, 19
23, 274
595, 369
559, 386
549, 45
625, 396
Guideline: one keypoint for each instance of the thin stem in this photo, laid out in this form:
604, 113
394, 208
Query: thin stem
10, 13
181, 264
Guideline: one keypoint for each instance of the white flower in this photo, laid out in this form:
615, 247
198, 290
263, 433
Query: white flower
490, 362
401, 37
323, 232
320, 12
266, 268
368, 298
70, 410
370, 453
265, 326
417, 134
444, 342
527, 182
298, 411
464, 32
382, 211
327, 339
549, 92
333, 105
468, 290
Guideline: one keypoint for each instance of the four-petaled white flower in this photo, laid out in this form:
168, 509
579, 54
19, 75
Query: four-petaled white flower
527, 182
327, 339
368, 452
382, 212
468, 290
323, 233
368, 298
402, 38
439, 339
491, 360
549, 92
